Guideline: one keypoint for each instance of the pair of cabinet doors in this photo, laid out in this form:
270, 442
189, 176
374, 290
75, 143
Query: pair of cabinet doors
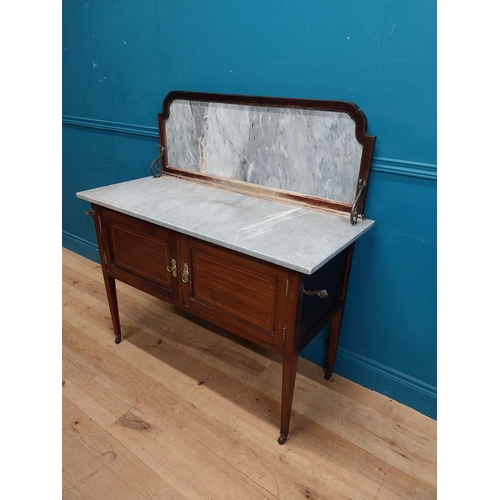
245, 295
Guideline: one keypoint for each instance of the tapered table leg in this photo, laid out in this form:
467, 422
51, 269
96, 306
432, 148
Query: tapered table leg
337, 318
334, 342
288, 384
109, 282
110, 285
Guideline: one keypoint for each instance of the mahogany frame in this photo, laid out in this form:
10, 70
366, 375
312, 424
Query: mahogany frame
301, 317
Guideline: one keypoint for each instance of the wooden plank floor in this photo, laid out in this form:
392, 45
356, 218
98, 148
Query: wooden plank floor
182, 410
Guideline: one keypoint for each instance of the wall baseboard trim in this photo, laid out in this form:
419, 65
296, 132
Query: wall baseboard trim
80, 246
371, 374
380, 378
379, 164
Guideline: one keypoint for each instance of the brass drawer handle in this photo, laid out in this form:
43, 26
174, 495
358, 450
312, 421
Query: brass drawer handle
322, 294
185, 273
173, 268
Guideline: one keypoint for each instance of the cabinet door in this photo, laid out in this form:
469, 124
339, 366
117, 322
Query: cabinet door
140, 253
244, 295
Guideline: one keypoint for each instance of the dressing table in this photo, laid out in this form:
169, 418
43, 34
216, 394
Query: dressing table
248, 219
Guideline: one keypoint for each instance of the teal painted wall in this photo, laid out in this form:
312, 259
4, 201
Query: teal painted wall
121, 58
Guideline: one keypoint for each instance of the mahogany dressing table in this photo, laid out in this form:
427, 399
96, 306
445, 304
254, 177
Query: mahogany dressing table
248, 220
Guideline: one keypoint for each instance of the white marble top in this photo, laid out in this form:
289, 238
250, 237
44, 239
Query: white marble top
293, 237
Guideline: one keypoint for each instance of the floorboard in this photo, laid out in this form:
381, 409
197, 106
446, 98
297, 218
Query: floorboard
184, 410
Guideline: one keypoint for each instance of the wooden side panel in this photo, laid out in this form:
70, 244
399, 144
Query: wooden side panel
249, 296
315, 310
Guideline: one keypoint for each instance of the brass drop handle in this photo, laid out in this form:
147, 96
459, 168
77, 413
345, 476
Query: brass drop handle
173, 268
322, 294
185, 273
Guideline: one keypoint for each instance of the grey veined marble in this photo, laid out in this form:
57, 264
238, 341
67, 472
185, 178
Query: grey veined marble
281, 233
307, 151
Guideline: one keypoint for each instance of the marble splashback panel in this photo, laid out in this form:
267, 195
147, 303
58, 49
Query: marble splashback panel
312, 152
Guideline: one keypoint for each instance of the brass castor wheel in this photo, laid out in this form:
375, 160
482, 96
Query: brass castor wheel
328, 376
283, 437
118, 339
